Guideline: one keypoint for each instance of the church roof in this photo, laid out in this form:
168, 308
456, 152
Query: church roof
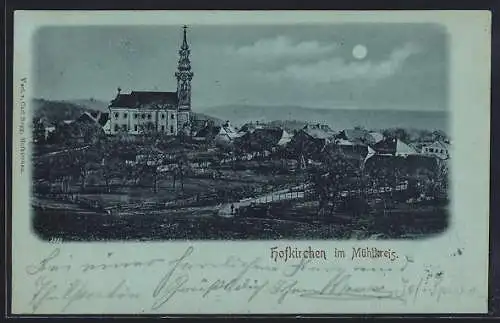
137, 99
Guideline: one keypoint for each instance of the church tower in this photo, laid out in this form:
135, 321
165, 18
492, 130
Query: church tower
184, 75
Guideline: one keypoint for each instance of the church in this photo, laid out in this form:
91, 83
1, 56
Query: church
146, 112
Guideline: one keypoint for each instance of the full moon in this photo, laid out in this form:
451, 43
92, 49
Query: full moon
359, 51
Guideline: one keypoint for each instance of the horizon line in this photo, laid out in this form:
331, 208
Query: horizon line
202, 109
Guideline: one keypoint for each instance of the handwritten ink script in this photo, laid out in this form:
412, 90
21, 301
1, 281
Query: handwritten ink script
62, 285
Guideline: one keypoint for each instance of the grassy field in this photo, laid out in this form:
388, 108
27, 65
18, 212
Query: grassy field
278, 222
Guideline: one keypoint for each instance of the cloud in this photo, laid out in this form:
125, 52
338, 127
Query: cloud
282, 47
338, 69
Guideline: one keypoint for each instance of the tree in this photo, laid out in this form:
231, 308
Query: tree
111, 167
54, 170
181, 169
332, 181
398, 133
38, 131
81, 162
151, 164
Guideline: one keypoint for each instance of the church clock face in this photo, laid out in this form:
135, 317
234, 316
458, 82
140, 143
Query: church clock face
183, 77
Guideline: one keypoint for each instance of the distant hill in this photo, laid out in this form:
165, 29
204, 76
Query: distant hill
201, 117
336, 118
92, 104
288, 125
55, 111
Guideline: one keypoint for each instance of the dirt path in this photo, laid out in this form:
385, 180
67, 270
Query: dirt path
276, 196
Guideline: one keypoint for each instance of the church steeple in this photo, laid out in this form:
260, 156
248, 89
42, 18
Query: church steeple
184, 75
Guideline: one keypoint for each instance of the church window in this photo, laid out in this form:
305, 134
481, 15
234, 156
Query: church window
125, 115
116, 127
135, 115
162, 128
162, 116
143, 116
124, 127
172, 116
171, 129
149, 115
431, 150
116, 115
135, 127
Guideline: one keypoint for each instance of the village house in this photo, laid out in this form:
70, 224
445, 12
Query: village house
374, 137
250, 127
357, 136
394, 147
438, 149
44, 129
207, 133
262, 140
226, 135
311, 140
222, 136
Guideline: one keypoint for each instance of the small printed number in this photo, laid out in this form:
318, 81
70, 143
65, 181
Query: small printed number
55, 240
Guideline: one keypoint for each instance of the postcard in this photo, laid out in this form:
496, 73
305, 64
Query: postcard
250, 162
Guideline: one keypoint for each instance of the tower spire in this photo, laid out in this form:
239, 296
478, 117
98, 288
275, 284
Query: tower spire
184, 75
184, 41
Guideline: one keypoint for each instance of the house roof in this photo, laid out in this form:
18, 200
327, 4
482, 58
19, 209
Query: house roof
404, 149
264, 138
103, 118
138, 99
86, 117
207, 131
228, 130
285, 138
100, 118
393, 146
356, 136
318, 131
249, 127
376, 136
344, 142
211, 130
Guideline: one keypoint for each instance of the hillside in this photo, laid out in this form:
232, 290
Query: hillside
55, 111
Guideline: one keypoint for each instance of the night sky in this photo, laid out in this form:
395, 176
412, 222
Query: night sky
365, 66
